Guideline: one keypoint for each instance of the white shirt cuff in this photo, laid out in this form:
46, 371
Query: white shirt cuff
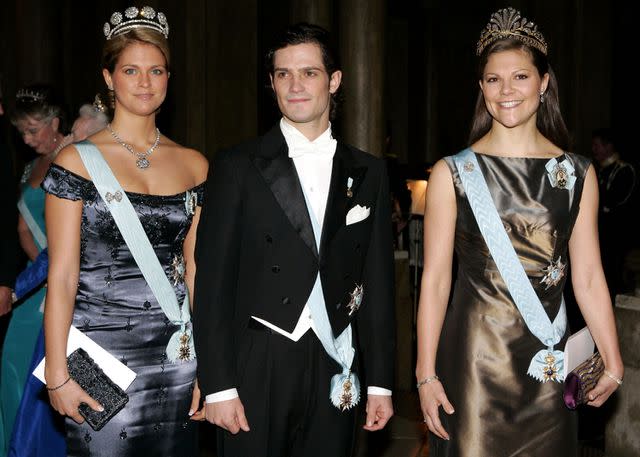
230, 394
371, 390
223, 395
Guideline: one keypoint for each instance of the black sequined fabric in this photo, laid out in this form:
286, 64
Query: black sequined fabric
116, 308
92, 379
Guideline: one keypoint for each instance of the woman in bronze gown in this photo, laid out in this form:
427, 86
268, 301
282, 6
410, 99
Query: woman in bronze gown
96, 284
473, 353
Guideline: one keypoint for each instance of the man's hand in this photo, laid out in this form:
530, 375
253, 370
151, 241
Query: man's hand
228, 414
5, 300
379, 411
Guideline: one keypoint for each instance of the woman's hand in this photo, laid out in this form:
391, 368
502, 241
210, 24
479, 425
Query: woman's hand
68, 397
602, 391
196, 413
432, 396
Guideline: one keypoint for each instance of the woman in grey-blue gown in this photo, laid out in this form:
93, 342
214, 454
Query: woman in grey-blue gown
96, 284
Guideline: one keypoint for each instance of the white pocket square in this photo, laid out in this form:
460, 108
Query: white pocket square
357, 213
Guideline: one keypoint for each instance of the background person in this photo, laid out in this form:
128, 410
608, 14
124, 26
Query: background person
618, 183
91, 119
38, 430
39, 118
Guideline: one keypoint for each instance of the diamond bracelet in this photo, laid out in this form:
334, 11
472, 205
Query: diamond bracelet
614, 377
427, 380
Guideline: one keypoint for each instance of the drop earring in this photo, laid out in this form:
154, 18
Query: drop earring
111, 98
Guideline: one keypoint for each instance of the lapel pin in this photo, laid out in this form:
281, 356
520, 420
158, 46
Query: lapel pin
349, 185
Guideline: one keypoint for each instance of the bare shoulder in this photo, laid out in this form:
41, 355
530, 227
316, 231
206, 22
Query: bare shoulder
440, 172
192, 159
69, 159
441, 188
200, 164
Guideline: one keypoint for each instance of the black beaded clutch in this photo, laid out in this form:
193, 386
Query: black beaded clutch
99, 386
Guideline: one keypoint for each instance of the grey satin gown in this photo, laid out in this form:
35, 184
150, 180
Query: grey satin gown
485, 347
116, 308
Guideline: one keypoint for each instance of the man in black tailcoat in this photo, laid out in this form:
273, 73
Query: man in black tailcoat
290, 220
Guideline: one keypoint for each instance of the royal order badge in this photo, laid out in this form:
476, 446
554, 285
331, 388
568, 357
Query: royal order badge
184, 351
553, 273
356, 299
550, 370
178, 269
561, 174
346, 399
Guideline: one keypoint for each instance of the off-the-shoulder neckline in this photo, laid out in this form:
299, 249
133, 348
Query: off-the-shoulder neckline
128, 192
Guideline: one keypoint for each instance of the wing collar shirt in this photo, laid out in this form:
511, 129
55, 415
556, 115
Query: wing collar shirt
313, 161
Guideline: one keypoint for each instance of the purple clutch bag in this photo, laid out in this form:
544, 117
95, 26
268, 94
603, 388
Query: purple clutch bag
581, 380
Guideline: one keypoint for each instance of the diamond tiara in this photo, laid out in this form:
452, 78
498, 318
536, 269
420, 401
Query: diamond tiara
133, 18
30, 95
508, 23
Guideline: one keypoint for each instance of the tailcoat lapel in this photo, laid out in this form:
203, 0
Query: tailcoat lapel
338, 202
279, 172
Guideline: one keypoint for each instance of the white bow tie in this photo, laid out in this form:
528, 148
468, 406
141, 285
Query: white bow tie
322, 148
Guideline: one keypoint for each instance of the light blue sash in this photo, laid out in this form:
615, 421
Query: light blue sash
180, 345
345, 387
38, 235
547, 364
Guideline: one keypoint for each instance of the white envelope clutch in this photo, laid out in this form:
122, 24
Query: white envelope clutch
357, 213
579, 347
119, 373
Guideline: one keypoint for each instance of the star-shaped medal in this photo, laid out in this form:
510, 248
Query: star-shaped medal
553, 273
178, 269
356, 299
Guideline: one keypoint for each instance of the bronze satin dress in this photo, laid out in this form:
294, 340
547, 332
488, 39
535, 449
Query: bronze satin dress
485, 347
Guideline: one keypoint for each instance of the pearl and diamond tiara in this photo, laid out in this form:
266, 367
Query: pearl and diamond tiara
507, 23
133, 18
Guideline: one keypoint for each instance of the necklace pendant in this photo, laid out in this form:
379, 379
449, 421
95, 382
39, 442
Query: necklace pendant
142, 163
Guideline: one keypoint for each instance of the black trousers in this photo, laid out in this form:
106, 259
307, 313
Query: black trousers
284, 387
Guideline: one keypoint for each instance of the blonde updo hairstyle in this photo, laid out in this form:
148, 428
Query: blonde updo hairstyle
114, 47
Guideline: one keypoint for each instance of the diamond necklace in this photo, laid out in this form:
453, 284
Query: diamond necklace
141, 157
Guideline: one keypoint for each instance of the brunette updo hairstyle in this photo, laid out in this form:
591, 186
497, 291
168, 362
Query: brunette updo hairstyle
114, 47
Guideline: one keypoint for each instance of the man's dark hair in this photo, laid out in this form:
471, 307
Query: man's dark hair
302, 33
